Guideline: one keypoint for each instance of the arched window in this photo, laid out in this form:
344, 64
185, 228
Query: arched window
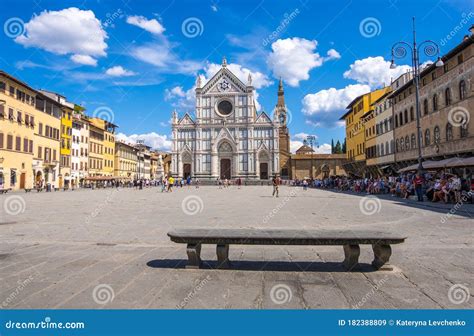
425, 107
437, 135
406, 116
397, 146
427, 137
402, 145
391, 147
413, 141
400, 117
435, 102
412, 114
463, 129
449, 132
447, 96
462, 90
387, 148
396, 120
407, 143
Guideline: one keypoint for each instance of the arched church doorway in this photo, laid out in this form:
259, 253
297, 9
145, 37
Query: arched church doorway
186, 170
225, 169
264, 171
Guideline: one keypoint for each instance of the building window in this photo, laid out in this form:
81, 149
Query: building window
18, 143
425, 107
402, 145
10, 141
463, 130
397, 146
413, 141
396, 121
427, 137
462, 90
407, 143
1, 140
437, 135
412, 114
406, 116
435, 102
449, 132
447, 96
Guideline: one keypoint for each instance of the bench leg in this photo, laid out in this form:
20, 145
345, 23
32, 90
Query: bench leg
351, 253
194, 256
382, 255
222, 256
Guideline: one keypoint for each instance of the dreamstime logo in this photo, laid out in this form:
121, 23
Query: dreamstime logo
370, 27
284, 23
192, 205
459, 116
105, 113
281, 294
14, 205
465, 19
192, 27
458, 294
103, 294
14, 27
370, 205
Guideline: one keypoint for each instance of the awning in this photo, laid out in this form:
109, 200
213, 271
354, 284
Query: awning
446, 163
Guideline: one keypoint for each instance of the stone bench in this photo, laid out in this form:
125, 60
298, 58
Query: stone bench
222, 238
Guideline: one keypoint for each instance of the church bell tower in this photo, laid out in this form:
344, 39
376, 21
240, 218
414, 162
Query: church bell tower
283, 134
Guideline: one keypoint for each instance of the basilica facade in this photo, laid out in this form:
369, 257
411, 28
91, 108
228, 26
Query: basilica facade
227, 138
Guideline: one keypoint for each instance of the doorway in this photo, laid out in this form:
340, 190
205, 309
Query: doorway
264, 171
225, 169
186, 170
22, 180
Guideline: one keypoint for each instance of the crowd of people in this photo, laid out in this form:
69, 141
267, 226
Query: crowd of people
434, 187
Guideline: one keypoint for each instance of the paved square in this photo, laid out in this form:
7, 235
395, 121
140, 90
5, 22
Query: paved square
109, 249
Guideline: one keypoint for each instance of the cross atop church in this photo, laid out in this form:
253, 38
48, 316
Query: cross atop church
224, 62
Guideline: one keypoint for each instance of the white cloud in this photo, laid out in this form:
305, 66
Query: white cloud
374, 71
326, 106
323, 149
177, 91
152, 26
332, 100
84, 59
69, 31
155, 140
161, 56
303, 136
333, 54
293, 58
118, 71
214, 8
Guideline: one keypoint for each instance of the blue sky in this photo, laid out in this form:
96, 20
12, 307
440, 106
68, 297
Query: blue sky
136, 61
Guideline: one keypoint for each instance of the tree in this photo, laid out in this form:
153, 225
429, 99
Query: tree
338, 149
332, 146
344, 146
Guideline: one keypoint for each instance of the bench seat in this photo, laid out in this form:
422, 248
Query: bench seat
222, 238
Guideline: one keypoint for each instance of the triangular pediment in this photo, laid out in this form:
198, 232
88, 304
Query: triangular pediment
263, 118
224, 74
224, 133
186, 120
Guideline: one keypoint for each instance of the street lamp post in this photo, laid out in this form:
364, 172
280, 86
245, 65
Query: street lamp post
312, 140
140, 143
430, 49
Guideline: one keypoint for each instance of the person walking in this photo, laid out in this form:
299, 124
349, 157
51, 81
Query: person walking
275, 182
305, 184
196, 181
418, 181
170, 183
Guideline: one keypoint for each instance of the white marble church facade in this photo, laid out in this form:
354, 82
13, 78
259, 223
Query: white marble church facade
227, 139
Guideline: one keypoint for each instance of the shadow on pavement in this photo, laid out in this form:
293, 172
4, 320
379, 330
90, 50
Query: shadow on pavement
274, 266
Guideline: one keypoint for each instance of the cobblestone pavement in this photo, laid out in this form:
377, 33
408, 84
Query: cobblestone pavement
109, 249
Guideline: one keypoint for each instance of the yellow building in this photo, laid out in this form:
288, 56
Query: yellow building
66, 137
126, 160
17, 120
102, 147
359, 110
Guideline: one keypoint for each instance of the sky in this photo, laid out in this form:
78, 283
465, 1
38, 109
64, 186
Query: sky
134, 62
